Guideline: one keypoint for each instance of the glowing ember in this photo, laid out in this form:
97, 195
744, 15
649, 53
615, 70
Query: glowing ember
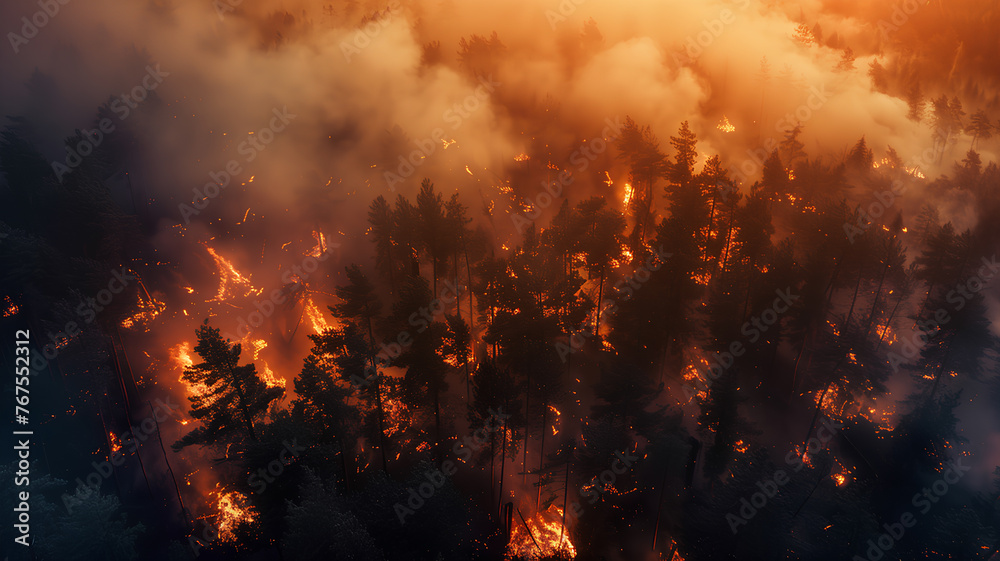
886, 332
725, 126
9, 307
147, 310
116, 444
701, 278
396, 416
522, 157
546, 529
232, 511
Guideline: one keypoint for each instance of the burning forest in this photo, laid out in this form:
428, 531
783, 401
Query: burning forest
416, 280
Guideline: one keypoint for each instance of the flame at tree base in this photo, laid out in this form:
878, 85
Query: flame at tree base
547, 538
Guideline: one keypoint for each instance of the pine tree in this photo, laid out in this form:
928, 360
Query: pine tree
878, 75
432, 229
234, 397
685, 145
846, 63
641, 149
791, 150
386, 257
980, 127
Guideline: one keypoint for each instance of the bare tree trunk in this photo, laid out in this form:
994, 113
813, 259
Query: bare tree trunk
378, 396
166, 460
600, 297
854, 299
128, 417
889, 322
878, 294
562, 529
541, 454
503, 460
524, 458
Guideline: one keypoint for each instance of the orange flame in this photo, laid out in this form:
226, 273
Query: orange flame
546, 529
232, 510
265, 372
321, 247
230, 278
316, 318
181, 355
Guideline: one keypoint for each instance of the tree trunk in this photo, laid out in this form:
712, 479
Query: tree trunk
878, 293
378, 395
888, 322
437, 424
503, 461
541, 454
524, 458
600, 297
381, 421
850, 312
562, 529
167, 461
